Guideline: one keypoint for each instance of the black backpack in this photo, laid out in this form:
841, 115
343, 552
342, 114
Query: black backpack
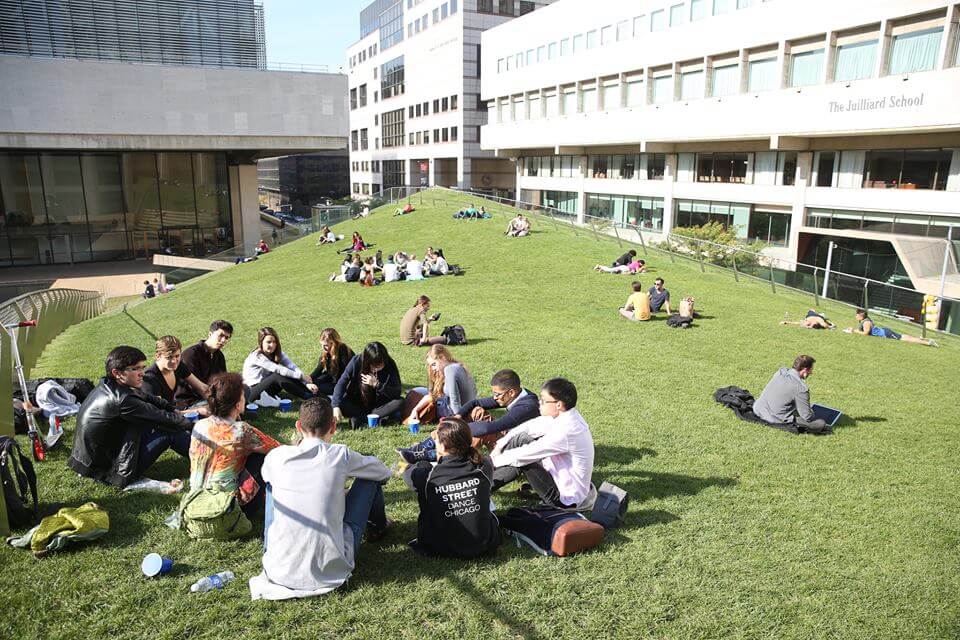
19, 484
455, 335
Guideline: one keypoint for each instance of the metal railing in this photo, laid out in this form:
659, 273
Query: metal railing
54, 310
923, 312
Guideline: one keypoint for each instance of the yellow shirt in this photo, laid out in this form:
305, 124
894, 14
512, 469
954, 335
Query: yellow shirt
641, 305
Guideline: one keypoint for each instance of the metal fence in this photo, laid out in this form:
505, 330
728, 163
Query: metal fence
924, 312
54, 310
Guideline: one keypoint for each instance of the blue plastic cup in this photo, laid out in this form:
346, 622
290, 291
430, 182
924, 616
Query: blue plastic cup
285, 404
154, 565
414, 426
191, 416
253, 407
373, 420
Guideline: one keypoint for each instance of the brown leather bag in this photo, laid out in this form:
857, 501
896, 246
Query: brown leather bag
574, 536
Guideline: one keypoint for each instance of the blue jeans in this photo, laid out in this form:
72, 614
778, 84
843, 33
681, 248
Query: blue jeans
156, 441
364, 505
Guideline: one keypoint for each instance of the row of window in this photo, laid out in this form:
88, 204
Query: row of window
369, 52
391, 78
877, 169
913, 45
505, 7
364, 188
445, 134
366, 165
358, 140
393, 128
879, 222
440, 105
442, 12
358, 97
750, 222
673, 16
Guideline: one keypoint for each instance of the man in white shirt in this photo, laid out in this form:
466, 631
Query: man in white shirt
554, 452
390, 271
414, 268
312, 531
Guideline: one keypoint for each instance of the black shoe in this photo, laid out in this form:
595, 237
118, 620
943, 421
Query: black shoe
375, 534
413, 456
526, 491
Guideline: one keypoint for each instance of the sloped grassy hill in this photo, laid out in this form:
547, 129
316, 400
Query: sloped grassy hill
734, 530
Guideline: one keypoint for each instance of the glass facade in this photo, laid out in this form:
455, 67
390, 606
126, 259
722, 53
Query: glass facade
82, 207
640, 211
911, 224
747, 221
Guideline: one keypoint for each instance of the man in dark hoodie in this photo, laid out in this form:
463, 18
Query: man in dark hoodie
121, 431
786, 398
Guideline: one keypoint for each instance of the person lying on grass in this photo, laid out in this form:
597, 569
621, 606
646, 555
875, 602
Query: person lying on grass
554, 452
226, 455
786, 398
813, 320
121, 431
633, 267
454, 495
312, 530
506, 393
268, 371
867, 327
626, 259
637, 307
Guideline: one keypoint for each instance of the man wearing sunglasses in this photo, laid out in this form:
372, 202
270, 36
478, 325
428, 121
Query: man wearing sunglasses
122, 431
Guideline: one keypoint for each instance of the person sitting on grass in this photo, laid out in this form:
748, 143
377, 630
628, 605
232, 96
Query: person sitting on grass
554, 452
226, 455
451, 386
204, 360
814, 320
507, 393
378, 260
455, 518
267, 371
312, 530
327, 236
334, 356
390, 271
401, 258
637, 307
786, 398
435, 264
867, 327
367, 272
262, 247
149, 291
625, 259
168, 372
634, 267
351, 273
659, 297
518, 227
120, 431
415, 325
370, 384
414, 268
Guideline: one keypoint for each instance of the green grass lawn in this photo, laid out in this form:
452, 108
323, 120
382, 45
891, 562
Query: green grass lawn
734, 530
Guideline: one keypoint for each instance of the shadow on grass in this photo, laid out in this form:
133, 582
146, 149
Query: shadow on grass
647, 485
611, 453
138, 323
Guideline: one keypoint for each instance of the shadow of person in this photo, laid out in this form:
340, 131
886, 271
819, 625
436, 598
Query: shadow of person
616, 454
846, 420
646, 485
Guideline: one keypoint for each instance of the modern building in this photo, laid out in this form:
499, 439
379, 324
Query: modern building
415, 108
796, 122
130, 127
304, 180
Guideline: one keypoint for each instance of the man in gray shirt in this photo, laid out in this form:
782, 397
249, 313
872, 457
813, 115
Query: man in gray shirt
786, 398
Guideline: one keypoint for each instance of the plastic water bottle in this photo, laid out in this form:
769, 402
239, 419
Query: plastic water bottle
216, 581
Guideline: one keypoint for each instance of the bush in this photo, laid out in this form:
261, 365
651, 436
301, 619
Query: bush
715, 244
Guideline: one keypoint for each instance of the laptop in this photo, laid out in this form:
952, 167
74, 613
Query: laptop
828, 415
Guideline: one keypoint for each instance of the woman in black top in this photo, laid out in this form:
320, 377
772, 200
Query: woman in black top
454, 496
334, 357
168, 372
369, 384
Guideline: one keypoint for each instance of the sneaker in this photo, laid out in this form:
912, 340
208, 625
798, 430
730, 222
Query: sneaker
413, 456
267, 400
526, 491
375, 534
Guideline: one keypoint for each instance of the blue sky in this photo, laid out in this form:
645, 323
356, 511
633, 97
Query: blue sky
311, 31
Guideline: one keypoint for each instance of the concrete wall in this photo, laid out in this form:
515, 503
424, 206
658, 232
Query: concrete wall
71, 104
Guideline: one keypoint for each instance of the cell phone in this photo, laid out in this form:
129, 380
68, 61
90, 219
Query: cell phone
435, 317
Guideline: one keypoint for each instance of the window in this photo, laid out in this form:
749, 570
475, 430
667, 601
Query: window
445, 104
721, 7
635, 92
453, 134
658, 20
640, 25
856, 61
611, 95
636, 211
363, 140
691, 85
915, 51
569, 101
393, 128
436, 136
787, 167
591, 39
362, 96
824, 163
356, 187
806, 68
577, 43
551, 104
394, 173
762, 75
453, 103
446, 134
745, 4
436, 15
443, 11
426, 137
410, 112
663, 90
769, 227
436, 105
606, 35
588, 99
623, 30
723, 167
391, 26
506, 7
541, 53
533, 105
676, 15
910, 169
426, 108
526, 6
453, 7
354, 140
698, 9
472, 133
726, 80
551, 51
656, 165
353, 99
391, 78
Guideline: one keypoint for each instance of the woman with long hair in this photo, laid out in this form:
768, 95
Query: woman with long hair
450, 385
334, 357
370, 384
226, 455
268, 370
455, 517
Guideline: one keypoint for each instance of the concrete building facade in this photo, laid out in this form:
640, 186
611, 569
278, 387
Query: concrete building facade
115, 160
796, 123
415, 107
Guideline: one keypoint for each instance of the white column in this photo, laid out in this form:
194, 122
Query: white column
244, 206
581, 191
463, 173
432, 172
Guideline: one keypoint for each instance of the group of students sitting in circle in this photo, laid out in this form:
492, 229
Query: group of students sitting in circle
375, 270
865, 327
187, 401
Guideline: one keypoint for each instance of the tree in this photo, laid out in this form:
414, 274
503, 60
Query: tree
715, 244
